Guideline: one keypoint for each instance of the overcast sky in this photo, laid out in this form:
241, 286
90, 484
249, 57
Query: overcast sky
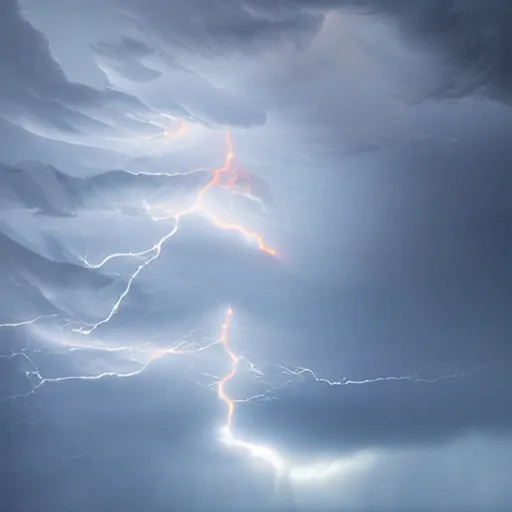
372, 150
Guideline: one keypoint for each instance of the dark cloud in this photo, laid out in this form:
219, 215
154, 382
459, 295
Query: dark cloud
385, 414
471, 39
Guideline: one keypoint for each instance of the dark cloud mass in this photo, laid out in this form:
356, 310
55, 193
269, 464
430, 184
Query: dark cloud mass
334, 173
471, 39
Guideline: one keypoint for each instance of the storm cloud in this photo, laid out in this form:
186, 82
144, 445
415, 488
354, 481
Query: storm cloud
366, 358
470, 39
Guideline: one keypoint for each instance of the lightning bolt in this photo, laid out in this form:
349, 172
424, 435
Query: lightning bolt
152, 355
270, 456
283, 468
197, 208
228, 435
27, 322
414, 378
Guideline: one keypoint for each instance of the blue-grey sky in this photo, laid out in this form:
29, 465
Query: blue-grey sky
368, 359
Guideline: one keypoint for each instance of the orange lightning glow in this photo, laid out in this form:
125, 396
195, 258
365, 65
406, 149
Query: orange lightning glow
238, 182
217, 173
256, 451
271, 457
168, 213
198, 206
217, 180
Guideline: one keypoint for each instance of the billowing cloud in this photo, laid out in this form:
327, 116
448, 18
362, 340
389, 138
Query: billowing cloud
173, 87
36, 95
392, 275
327, 60
125, 57
472, 40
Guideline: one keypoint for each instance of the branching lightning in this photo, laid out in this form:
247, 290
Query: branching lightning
224, 177
413, 379
152, 355
154, 252
227, 436
269, 456
27, 322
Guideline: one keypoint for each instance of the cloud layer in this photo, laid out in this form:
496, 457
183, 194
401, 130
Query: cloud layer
388, 206
37, 96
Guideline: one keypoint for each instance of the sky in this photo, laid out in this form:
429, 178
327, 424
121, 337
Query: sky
255, 255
